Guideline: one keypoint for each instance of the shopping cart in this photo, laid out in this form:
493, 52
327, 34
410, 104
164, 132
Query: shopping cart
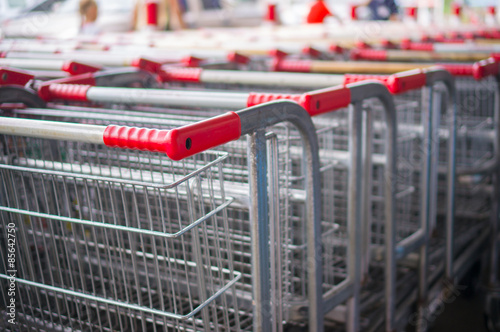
257, 205
408, 105
134, 246
167, 97
149, 101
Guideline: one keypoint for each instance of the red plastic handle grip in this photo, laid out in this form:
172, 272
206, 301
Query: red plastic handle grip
76, 92
278, 54
191, 61
326, 100
9, 76
485, 34
469, 35
78, 68
311, 51
363, 45
405, 44
235, 57
314, 102
387, 44
485, 68
426, 39
397, 83
406, 81
257, 98
377, 55
439, 38
334, 48
457, 69
352, 78
419, 46
297, 66
147, 65
177, 143
176, 74
454, 40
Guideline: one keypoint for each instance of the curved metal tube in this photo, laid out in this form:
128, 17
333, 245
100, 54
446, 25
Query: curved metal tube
259, 117
359, 92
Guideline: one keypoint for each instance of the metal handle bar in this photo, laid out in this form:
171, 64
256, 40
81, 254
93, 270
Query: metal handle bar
315, 102
450, 47
360, 67
297, 80
177, 143
409, 55
69, 66
115, 59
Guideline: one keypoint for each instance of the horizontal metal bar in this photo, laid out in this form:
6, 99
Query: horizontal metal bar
128, 305
337, 295
298, 80
52, 130
43, 64
204, 99
410, 244
112, 174
120, 227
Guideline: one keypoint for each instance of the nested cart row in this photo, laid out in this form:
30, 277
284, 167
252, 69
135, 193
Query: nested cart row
362, 185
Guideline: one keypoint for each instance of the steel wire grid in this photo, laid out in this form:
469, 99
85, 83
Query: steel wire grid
110, 241
286, 165
332, 131
410, 163
411, 150
477, 140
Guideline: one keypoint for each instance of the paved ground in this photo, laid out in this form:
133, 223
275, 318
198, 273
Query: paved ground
462, 315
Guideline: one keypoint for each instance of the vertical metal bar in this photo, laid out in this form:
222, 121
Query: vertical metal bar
494, 255
450, 198
367, 190
355, 204
313, 230
259, 230
428, 111
443, 106
275, 234
390, 223
197, 253
359, 92
253, 119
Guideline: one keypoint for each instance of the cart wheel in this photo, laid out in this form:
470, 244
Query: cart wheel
492, 310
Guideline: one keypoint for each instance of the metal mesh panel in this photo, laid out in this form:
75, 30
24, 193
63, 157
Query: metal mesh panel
130, 241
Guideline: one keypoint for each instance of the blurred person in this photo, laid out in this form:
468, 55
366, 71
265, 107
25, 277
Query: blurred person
383, 10
318, 12
169, 15
89, 12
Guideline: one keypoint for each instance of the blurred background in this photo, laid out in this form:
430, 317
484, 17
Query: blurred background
61, 18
